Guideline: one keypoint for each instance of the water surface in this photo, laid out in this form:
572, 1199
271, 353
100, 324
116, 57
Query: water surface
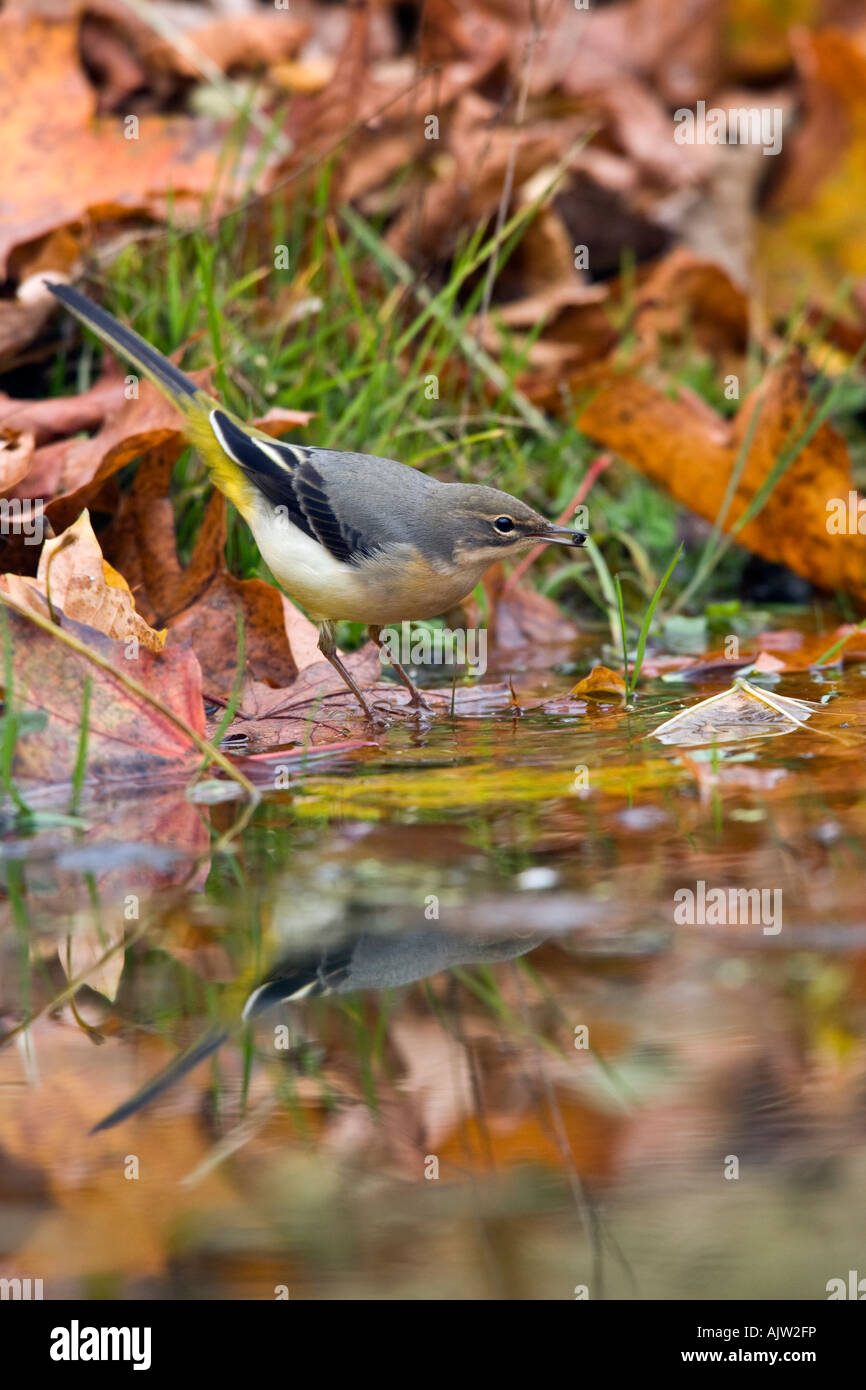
506, 1070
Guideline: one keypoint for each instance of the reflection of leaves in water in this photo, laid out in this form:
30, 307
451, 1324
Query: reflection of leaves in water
432, 790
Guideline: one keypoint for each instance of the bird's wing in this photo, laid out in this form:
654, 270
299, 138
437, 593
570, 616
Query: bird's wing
287, 476
320, 972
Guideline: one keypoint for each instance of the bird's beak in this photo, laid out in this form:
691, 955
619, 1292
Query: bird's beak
561, 535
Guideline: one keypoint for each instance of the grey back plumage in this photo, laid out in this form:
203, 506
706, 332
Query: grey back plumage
344, 500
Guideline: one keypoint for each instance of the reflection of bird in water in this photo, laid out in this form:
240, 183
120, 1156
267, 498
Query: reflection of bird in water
362, 959
372, 960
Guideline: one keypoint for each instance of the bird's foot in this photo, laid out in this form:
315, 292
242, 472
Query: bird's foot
418, 705
376, 719
410, 710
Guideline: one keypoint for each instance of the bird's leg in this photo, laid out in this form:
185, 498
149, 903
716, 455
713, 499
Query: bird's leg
328, 648
417, 701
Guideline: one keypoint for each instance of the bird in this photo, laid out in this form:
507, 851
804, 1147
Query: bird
362, 950
346, 535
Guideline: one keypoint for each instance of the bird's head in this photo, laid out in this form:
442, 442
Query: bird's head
489, 525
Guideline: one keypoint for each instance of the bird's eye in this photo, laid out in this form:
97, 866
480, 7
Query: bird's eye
504, 524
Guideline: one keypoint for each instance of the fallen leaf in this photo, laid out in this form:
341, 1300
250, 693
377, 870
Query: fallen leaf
765, 662
799, 652
16, 452
691, 453
430, 226
279, 419
87, 944
78, 1084
22, 319
811, 233
687, 296
233, 42
314, 707
744, 711
127, 738
577, 327
759, 35
199, 604
87, 172
521, 616
63, 415
86, 588
108, 54
641, 126
144, 422
600, 681
308, 77
664, 663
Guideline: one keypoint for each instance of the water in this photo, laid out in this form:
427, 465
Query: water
508, 1070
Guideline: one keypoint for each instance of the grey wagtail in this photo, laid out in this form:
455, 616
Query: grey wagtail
348, 535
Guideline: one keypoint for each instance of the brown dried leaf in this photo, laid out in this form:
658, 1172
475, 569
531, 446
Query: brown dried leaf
521, 617
16, 452
63, 415
691, 453
601, 681
87, 588
84, 171
142, 424
126, 738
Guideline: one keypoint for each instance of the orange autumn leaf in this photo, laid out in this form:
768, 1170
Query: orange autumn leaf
812, 232
60, 166
600, 681
691, 453
507, 1139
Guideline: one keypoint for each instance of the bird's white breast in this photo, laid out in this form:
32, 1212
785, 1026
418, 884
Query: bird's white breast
380, 590
304, 568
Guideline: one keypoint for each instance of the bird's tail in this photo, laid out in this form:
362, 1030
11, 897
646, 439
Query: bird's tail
178, 1067
194, 404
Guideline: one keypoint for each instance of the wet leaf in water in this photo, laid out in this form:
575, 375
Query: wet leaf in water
742, 712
